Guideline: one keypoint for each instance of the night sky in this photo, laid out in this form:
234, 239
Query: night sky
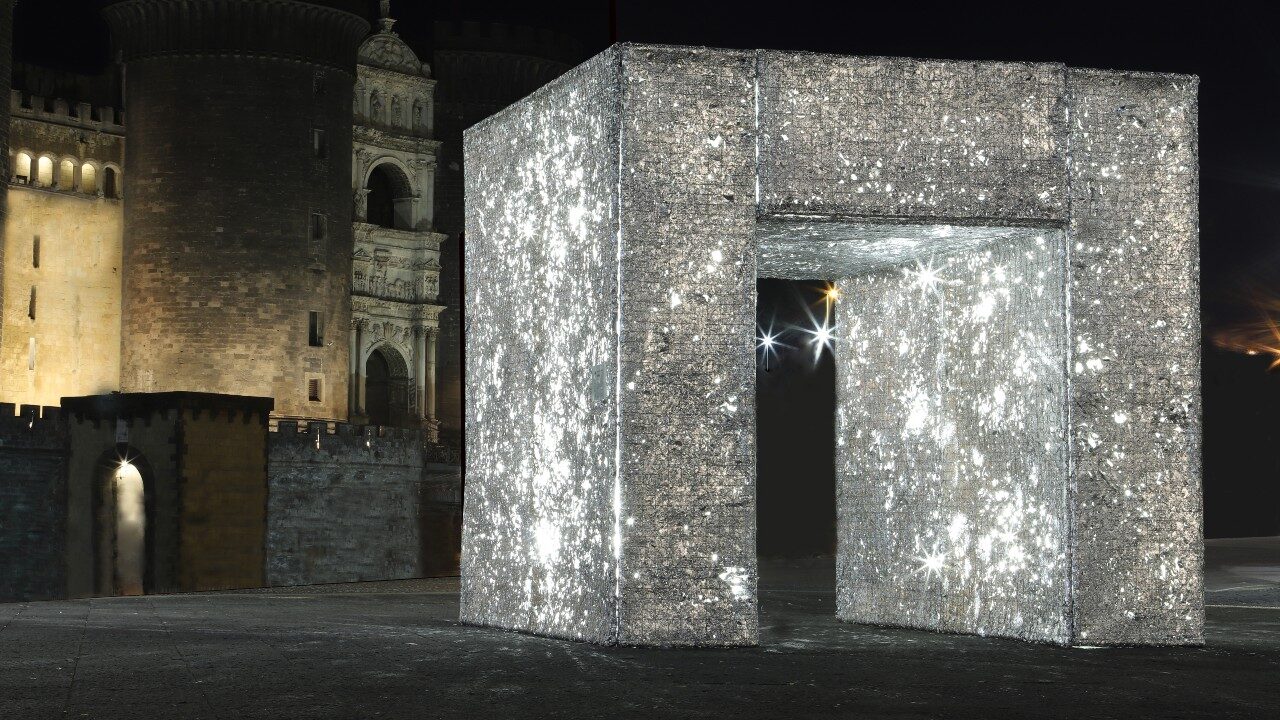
1231, 46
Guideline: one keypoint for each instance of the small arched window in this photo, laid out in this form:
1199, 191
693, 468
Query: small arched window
44, 172
22, 168
88, 179
67, 175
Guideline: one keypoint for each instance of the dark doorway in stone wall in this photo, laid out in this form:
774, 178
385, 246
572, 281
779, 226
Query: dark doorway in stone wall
124, 520
795, 435
390, 201
387, 387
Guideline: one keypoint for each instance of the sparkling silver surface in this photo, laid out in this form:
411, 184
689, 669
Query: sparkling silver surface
912, 139
688, 348
800, 247
951, 457
1137, 570
538, 546
1018, 347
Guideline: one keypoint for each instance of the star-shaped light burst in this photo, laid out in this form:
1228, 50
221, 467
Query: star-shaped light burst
821, 337
767, 341
925, 277
932, 563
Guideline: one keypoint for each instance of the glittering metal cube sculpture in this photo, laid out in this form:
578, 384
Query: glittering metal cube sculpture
1017, 351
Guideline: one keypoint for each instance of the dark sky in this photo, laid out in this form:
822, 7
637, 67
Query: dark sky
1231, 46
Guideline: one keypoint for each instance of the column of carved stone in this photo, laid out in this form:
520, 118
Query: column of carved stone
357, 368
430, 375
362, 204
420, 373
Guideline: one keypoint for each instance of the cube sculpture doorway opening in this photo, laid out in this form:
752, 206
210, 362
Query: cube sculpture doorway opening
1018, 413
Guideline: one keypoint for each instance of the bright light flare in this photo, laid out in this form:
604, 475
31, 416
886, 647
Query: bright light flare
1261, 337
768, 342
821, 337
932, 563
925, 277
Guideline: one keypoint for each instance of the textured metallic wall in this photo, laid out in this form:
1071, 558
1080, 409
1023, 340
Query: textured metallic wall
688, 339
1137, 571
1014, 456
540, 546
951, 456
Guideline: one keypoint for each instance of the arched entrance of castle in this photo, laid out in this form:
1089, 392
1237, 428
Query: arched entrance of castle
387, 387
123, 524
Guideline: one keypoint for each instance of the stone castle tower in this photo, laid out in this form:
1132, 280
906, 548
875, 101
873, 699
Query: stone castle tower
287, 219
6, 59
238, 225
482, 68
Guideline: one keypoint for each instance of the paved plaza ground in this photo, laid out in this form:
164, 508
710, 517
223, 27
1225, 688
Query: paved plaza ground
396, 650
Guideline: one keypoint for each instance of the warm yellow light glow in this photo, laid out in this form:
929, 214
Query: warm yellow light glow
1259, 337
44, 171
88, 179
131, 523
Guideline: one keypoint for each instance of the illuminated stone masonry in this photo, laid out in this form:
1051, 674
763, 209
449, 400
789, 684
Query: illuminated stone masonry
1017, 352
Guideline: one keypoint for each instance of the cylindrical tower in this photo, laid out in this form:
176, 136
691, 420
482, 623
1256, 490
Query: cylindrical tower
480, 69
6, 76
238, 205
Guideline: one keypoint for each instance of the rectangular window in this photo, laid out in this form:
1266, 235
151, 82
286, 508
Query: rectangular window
31, 353
313, 389
319, 144
35, 251
319, 235
31, 305
319, 226
315, 330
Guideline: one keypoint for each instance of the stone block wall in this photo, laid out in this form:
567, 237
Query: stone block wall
228, 504
6, 76
223, 185
72, 345
33, 502
349, 505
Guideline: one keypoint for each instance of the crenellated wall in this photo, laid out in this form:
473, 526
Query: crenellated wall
62, 240
350, 503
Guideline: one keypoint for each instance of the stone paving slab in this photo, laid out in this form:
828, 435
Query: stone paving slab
387, 652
